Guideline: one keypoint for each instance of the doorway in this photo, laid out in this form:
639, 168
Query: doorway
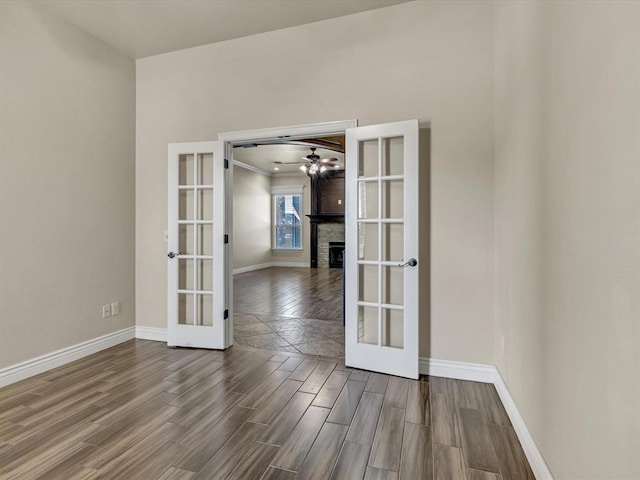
281, 303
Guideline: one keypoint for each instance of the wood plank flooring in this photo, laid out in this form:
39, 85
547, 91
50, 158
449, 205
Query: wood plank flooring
280, 405
143, 411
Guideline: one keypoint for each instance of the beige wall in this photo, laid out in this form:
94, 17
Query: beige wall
251, 218
426, 60
66, 184
303, 256
568, 229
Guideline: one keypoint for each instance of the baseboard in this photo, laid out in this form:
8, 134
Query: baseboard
475, 372
489, 374
41, 364
151, 333
538, 465
251, 268
290, 264
260, 266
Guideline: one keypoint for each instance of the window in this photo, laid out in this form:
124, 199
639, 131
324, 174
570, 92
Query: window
287, 218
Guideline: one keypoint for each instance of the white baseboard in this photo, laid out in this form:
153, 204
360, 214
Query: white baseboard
538, 465
43, 363
260, 266
251, 268
290, 264
489, 374
151, 333
475, 372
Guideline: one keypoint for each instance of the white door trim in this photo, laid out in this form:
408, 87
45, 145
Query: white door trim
292, 132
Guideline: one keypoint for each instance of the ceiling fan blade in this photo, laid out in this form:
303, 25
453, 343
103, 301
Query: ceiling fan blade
288, 163
328, 160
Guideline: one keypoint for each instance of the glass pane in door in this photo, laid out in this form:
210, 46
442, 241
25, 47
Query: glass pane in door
368, 283
368, 325
368, 241
392, 156
393, 242
185, 169
205, 169
392, 328
368, 158
205, 204
185, 239
393, 285
392, 199
204, 304
185, 204
368, 199
205, 239
185, 274
185, 309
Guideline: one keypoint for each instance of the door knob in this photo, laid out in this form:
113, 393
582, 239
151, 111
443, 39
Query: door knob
172, 254
412, 262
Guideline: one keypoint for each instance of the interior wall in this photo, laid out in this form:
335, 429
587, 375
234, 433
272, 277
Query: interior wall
67, 113
251, 218
301, 257
567, 198
426, 60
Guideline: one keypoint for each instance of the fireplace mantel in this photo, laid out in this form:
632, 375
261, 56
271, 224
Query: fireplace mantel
326, 217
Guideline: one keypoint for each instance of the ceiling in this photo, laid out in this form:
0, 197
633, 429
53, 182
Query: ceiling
140, 28
264, 156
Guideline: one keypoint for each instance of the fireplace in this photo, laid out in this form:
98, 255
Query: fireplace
336, 250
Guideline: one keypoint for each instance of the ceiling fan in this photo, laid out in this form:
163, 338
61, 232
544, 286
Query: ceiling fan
312, 163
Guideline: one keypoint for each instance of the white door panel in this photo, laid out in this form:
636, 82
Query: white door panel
196, 249
382, 258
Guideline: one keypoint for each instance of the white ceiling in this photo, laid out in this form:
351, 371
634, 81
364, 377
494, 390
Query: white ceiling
264, 156
140, 28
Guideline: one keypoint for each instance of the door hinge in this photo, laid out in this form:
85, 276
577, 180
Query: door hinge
226, 163
226, 314
226, 238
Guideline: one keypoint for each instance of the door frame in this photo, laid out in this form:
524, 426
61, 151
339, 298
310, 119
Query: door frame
293, 132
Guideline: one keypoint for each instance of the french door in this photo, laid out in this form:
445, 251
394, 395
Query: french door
197, 314
381, 268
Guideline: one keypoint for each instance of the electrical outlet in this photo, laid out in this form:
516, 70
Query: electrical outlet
115, 308
106, 311
165, 236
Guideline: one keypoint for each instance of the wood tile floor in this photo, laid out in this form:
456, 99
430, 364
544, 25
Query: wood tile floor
142, 411
297, 310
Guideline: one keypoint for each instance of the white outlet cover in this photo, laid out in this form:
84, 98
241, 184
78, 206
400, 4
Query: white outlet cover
115, 308
106, 311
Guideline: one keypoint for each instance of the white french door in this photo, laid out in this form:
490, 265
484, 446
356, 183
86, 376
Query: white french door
196, 263
381, 270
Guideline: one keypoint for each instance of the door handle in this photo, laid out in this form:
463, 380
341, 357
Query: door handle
172, 254
412, 262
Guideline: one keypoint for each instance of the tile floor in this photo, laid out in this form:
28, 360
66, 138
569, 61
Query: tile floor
308, 336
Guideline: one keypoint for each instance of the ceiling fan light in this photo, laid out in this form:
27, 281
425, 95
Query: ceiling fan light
323, 169
303, 168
